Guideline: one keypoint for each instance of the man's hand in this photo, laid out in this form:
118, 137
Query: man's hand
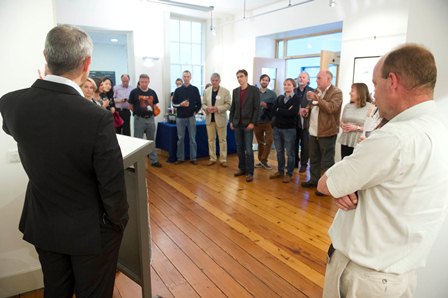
347, 202
231, 126
250, 126
303, 112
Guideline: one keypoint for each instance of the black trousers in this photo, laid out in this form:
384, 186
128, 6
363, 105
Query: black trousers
302, 140
125, 129
346, 151
322, 152
84, 275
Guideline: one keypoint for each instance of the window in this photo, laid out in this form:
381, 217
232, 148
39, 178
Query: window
303, 54
186, 50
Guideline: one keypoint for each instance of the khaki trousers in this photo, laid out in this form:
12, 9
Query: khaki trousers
346, 279
263, 134
222, 137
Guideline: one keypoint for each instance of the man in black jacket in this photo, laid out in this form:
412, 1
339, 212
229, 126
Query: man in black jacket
75, 206
243, 117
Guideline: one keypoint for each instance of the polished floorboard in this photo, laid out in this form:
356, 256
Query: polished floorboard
216, 235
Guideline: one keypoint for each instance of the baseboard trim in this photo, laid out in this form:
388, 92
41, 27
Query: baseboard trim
21, 283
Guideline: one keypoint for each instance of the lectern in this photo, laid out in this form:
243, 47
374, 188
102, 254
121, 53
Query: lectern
135, 251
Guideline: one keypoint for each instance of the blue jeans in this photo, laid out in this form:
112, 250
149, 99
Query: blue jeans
284, 139
244, 149
148, 126
189, 123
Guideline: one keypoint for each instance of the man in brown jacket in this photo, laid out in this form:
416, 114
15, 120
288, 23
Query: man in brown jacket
324, 112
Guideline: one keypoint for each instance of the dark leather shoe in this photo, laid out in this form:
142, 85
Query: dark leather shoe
194, 161
302, 169
238, 173
178, 162
319, 194
309, 184
249, 178
156, 165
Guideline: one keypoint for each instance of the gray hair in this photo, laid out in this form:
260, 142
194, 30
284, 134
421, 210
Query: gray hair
215, 75
66, 48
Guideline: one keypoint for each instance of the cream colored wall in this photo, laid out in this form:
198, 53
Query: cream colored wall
24, 27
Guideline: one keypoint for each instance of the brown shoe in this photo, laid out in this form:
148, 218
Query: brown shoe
211, 162
238, 173
249, 178
276, 175
224, 164
286, 179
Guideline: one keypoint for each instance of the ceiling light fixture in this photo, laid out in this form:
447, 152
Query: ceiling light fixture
148, 61
114, 40
332, 3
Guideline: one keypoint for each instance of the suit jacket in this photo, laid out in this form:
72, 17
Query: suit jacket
70, 152
248, 113
329, 112
223, 103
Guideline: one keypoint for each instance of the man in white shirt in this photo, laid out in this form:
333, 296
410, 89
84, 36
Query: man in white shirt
392, 192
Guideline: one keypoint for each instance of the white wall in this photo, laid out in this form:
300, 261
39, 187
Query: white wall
427, 25
24, 27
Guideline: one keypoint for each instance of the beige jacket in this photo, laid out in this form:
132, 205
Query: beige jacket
223, 102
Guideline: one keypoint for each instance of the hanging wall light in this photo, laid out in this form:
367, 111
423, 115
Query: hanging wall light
212, 27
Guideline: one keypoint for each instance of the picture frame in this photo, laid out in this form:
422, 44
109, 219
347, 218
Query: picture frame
363, 70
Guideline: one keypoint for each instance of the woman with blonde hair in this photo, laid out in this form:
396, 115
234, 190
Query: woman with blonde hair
353, 118
89, 88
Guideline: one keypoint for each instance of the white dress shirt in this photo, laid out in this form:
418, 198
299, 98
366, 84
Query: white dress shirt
400, 173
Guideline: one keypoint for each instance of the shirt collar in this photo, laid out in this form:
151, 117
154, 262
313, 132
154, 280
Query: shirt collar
415, 111
65, 81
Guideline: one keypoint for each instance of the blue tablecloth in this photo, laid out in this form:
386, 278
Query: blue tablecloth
166, 139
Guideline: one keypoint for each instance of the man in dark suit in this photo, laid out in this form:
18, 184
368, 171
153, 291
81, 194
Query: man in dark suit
303, 123
243, 116
75, 206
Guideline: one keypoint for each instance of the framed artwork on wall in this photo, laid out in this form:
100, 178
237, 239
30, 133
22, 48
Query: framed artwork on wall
363, 70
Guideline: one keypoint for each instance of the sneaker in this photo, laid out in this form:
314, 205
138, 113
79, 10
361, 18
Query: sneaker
249, 178
224, 164
276, 175
156, 164
259, 165
265, 165
302, 169
286, 179
211, 162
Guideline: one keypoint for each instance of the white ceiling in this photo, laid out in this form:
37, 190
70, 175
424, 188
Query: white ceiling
220, 7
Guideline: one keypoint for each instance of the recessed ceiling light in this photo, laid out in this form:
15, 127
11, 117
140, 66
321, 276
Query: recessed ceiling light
114, 40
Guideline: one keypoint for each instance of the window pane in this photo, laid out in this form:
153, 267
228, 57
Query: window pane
185, 31
196, 32
176, 72
185, 53
314, 44
280, 49
174, 52
174, 30
196, 75
196, 54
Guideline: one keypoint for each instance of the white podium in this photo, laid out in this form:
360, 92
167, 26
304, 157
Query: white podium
135, 251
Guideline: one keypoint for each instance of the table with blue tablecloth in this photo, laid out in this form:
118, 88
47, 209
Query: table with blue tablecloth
166, 139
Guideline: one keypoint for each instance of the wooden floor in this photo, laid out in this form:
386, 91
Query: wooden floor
215, 235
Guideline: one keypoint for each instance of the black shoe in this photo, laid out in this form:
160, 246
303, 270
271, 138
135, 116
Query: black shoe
156, 164
309, 184
194, 161
178, 162
319, 194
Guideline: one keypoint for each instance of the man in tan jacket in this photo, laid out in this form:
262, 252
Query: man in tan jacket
216, 102
324, 113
